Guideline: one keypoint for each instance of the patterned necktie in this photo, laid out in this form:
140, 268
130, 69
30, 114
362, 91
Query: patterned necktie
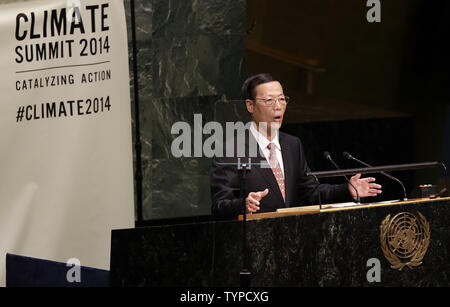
276, 169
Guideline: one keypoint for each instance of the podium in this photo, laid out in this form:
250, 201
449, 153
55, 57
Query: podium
401, 243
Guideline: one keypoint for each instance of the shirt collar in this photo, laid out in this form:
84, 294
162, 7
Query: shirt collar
262, 140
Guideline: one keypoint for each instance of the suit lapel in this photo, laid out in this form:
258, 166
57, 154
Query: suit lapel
287, 161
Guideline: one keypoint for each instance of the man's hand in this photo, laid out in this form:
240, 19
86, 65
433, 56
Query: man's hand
365, 186
252, 200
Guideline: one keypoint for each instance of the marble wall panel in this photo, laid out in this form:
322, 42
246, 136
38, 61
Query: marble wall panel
189, 53
168, 111
198, 65
179, 186
217, 17
143, 19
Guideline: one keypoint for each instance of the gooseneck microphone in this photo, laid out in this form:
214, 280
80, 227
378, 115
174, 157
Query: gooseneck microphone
327, 156
350, 157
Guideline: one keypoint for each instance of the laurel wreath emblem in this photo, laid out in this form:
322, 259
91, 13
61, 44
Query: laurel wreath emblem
409, 230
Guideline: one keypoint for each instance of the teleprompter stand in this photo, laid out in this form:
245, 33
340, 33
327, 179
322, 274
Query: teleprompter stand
245, 274
382, 169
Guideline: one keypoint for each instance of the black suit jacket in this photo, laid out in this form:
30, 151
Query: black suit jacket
227, 200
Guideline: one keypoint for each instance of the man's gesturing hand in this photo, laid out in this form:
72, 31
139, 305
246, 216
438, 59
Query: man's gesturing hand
365, 186
252, 200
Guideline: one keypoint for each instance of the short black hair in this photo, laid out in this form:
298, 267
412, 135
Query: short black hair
248, 88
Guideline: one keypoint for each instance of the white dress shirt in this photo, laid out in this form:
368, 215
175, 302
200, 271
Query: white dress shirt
263, 142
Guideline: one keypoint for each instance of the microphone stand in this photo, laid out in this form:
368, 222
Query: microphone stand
446, 178
317, 186
328, 157
245, 274
383, 173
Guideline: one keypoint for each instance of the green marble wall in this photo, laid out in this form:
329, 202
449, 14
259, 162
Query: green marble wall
191, 53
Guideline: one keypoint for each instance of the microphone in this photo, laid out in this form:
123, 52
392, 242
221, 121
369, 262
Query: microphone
444, 190
349, 156
327, 156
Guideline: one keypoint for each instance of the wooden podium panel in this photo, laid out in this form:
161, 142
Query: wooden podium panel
290, 211
335, 207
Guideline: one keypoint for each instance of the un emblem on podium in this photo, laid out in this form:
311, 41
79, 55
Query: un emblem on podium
404, 239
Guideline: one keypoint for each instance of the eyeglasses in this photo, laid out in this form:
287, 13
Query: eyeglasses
271, 101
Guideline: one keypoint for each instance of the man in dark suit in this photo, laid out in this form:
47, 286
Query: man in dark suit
277, 177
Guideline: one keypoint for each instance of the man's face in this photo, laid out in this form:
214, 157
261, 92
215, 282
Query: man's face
272, 116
